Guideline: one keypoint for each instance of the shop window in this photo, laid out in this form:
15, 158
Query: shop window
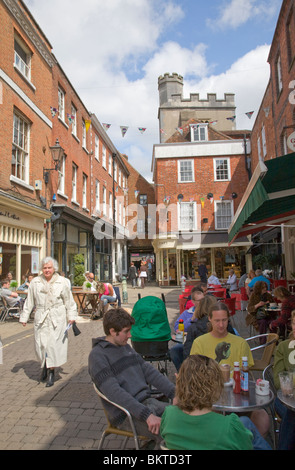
143, 199
8, 258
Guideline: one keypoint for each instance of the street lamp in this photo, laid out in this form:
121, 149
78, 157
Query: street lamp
57, 153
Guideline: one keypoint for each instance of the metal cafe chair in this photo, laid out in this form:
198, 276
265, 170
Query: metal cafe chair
268, 350
6, 311
110, 429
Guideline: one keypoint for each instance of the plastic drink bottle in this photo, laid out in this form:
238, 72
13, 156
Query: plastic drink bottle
237, 378
181, 327
245, 376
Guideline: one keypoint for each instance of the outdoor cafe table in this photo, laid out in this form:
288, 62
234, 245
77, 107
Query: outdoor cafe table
92, 298
231, 402
288, 401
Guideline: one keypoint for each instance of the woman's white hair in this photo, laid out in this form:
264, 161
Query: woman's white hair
49, 259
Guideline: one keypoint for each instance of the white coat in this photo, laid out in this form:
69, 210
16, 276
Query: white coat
54, 308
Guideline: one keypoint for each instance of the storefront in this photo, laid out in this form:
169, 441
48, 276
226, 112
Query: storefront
23, 233
176, 257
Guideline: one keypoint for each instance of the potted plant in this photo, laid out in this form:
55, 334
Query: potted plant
13, 285
88, 285
79, 270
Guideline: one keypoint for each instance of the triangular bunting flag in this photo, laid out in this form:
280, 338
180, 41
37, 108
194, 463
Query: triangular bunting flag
106, 126
124, 129
231, 118
87, 124
249, 114
53, 111
142, 129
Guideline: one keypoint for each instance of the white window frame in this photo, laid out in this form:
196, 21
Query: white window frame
199, 132
23, 66
74, 121
279, 75
140, 226
104, 200
97, 196
110, 164
259, 148
228, 178
180, 172
74, 182
216, 205
61, 104
104, 156
20, 148
84, 192
115, 172
263, 136
110, 205
61, 175
189, 225
96, 151
84, 142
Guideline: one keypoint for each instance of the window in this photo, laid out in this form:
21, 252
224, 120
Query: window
74, 120
187, 216
115, 172
110, 164
20, 148
104, 201
279, 80
84, 145
221, 169
97, 196
264, 149
110, 205
185, 171
140, 226
84, 192
22, 58
104, 157
120, 178
143, 199
199, 132
259, 148
223, 214
61, 104
74, 182
96, 147
61, 175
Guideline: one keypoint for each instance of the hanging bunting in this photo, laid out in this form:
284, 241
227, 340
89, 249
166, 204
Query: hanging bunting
191, 199
136, 193
87, 124
213, 123
231, 118
106, 126
124, 129
202, 202
249, 114
142, 129
71, 118
53, 111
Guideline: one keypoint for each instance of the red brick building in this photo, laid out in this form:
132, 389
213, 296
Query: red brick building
200, 175
267, 210
75, 205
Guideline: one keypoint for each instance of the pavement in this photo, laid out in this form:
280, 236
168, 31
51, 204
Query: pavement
69, 415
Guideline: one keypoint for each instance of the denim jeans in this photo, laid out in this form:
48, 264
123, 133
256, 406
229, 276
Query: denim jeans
258, 442
176, 355
107, 299
287, 426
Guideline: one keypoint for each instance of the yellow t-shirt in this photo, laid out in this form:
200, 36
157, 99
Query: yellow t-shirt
225, 350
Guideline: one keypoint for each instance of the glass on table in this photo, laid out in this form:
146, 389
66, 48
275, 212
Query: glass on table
286, 383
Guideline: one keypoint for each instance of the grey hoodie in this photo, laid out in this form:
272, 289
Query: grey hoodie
124, 377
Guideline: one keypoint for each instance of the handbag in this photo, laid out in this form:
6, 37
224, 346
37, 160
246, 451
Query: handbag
261, 314
75, 329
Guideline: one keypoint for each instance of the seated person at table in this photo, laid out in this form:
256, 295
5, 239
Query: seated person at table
12, 298
259, 277
190, 424
288, 304
251, 276
257, 314
284, 359
213, 279
107, 294
232, 281
125, 378
90, 280
198, 326
26, 284
226, 348
196, 295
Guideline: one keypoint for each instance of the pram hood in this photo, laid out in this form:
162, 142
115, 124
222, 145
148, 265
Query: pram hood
151, 321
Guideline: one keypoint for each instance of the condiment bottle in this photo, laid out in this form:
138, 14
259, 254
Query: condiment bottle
181, 327
245, 376
237, 378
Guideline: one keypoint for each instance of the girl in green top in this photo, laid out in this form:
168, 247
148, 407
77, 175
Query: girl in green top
192, 425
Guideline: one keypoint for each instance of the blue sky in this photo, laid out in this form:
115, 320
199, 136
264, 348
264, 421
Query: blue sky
114, 51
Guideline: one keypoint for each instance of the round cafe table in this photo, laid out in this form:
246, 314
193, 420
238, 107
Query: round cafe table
231, 402
288, 401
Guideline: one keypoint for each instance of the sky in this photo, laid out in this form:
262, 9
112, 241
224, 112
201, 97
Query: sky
114, 51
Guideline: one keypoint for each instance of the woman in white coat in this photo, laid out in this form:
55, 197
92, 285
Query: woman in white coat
54, 309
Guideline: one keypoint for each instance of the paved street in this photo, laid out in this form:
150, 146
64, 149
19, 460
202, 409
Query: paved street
69, 414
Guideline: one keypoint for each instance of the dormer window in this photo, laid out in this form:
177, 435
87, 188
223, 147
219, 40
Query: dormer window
199, 132
22, 58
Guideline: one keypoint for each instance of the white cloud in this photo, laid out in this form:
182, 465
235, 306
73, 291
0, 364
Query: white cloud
237, 12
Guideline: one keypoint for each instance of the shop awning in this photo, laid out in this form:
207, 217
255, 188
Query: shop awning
269, 198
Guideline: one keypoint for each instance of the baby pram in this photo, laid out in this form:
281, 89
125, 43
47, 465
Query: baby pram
151, 332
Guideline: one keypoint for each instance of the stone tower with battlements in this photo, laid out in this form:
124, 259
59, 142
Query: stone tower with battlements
175, 111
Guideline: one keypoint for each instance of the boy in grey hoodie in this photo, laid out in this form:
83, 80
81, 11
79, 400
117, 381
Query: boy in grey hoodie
125, 378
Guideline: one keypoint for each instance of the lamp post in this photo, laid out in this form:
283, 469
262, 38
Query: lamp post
57, 153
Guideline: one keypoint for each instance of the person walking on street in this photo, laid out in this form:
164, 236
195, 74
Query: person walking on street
55, 308
132, 274
143, 273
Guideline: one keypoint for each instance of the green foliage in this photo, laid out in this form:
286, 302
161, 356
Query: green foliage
79, 270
